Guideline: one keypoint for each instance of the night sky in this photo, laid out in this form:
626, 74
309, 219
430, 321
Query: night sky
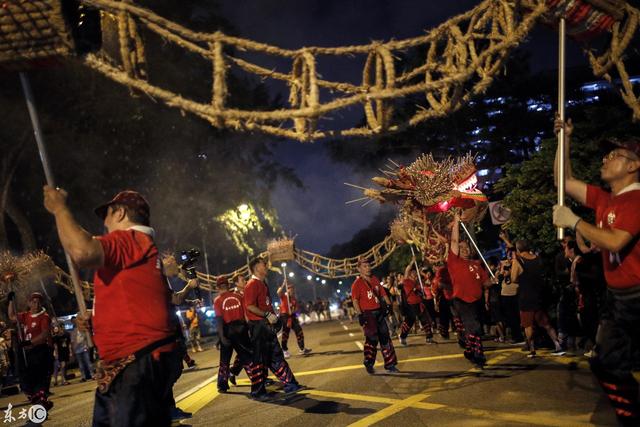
317, 213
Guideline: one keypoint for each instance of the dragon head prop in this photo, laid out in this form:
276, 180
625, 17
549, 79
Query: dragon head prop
426, 191
429, 185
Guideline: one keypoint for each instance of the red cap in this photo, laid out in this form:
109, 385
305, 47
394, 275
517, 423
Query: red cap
36, 295
129, 198
222, 280
630, 143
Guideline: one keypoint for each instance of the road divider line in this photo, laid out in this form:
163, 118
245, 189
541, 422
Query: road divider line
351, 396
389, 411
199, 399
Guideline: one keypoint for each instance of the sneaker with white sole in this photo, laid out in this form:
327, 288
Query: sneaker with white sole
287, 354
558, 352
304, 351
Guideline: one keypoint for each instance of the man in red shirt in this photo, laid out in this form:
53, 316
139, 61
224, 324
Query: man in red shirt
35, 340
233, 333
289, 318
367, 294
137, 347
468, 278
267, 352
616, 232
415, 307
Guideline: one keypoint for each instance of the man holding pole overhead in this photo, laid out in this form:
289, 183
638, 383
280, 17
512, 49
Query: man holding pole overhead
616, 232
468, 278
137, 348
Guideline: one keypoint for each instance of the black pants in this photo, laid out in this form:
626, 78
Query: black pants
420, 312
238, 335
470, 313
34, 376
267, 354
444, 316
295, 325
376, 331
511, 313
618, 353
138, 396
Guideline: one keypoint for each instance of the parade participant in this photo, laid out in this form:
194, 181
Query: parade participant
194, 326
616, 231
267, 352
61, 343
81, 350
416, 306
34, 358
137, 347
369, 299
350, 310
441, 288
468, 278
429, 297
527, 272
233, 333
289, 318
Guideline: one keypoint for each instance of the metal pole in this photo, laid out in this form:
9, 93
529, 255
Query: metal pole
49, 301
561, 104
415, 262
473, 242
33, 113
286, 288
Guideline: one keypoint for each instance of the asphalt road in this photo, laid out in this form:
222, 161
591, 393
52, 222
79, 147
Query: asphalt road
436, 387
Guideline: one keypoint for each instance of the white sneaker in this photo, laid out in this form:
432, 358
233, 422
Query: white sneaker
589, 354
304, 351
287, 354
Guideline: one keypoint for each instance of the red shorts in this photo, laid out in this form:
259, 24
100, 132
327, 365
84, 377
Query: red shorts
539, 317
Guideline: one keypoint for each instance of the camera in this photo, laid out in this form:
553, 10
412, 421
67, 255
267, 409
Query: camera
187, 262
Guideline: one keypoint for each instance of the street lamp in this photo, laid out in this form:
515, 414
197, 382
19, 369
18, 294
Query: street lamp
291, 274
309, 277
283, 265
324, 282
317, 279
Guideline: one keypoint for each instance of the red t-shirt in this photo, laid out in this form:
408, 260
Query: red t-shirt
256, 293
442, 283
411, 291
132, 298
32, 326
229, 306
363, 293
621, 269
284, 307
467, 277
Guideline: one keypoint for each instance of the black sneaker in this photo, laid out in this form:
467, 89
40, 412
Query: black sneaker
260, 396
178, 414
232, 379
370, 369
292, 388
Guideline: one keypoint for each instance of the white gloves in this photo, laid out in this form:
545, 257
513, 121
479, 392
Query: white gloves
272, 318
564, 217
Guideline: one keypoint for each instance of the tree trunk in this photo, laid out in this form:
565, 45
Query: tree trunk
18, 217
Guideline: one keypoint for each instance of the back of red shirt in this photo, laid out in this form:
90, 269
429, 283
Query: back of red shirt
256, 293
411, 291
32, 326
229, 306
367, 294
467, 277
132, 298
621, 269
284, 304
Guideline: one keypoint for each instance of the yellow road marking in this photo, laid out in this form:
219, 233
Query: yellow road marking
245, 381
351, 396
389, 411
196, 401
